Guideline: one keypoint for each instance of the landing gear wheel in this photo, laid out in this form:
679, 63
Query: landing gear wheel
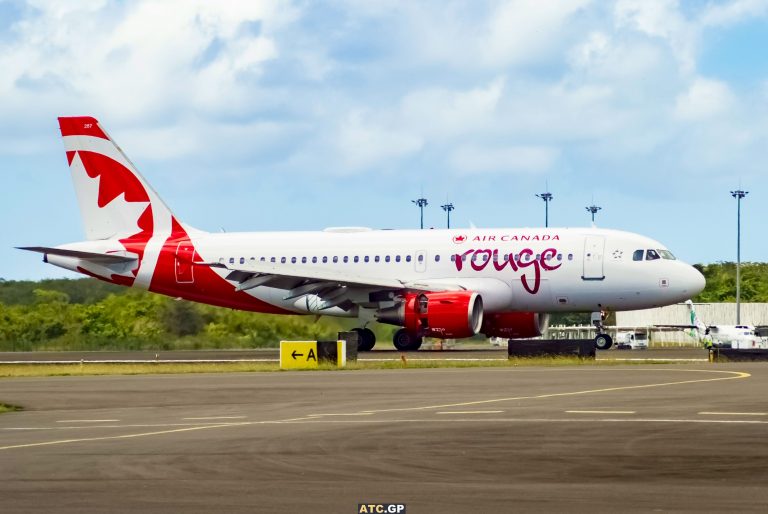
366, 339
406, 341
603, 341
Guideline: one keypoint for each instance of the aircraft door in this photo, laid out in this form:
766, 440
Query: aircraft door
594, 247
185, 254
421, 261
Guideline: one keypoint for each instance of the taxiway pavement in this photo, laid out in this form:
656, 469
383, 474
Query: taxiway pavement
574, 439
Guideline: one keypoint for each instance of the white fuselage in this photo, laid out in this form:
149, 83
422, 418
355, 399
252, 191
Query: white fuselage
582, 269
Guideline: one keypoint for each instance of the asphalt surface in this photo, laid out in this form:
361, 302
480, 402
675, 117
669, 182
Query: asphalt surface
672, 438
273, 354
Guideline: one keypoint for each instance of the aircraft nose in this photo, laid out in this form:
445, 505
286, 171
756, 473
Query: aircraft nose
693, 281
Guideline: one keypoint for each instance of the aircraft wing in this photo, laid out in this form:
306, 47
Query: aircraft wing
95, 257
333, 287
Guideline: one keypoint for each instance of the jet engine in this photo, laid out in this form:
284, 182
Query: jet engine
514, 325
450, 314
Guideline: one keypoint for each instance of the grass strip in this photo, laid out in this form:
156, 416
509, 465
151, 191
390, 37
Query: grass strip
88, 368
4, 407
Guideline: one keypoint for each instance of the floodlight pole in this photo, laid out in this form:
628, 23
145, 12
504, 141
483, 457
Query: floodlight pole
593, 209
738, 195
448, 208
421, 203
547, 197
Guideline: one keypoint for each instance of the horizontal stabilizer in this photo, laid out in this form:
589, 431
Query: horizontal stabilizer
103, 258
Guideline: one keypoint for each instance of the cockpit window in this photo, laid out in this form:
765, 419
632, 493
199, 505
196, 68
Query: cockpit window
638, 255
651, 255
666, 254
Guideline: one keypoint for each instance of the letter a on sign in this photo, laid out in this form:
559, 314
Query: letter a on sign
311, 355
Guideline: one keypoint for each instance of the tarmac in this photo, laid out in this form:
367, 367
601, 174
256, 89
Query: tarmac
628, 438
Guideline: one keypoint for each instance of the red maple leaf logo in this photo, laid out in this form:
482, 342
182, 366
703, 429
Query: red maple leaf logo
459, 239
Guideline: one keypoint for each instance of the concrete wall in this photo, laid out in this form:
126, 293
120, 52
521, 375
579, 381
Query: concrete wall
708, 313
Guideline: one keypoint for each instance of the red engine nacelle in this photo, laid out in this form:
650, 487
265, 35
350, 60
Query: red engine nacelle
446, 315
514, 325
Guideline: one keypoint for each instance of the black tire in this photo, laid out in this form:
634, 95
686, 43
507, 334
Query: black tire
366, 339
603, 341
406, 341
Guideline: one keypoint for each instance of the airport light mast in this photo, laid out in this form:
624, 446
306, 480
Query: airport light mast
593, 209
738, 195
421, 203
547, 197
448, 208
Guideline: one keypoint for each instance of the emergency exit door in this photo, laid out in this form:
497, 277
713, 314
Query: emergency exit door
594, 246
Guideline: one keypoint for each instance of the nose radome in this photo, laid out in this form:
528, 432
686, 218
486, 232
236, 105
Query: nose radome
694, 281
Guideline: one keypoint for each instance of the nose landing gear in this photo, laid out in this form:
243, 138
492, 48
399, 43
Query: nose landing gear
602, 340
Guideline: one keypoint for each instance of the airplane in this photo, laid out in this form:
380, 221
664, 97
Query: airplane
500, 282
721, 336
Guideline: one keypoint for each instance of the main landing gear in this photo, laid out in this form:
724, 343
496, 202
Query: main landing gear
602, 340
406, 341
366, 339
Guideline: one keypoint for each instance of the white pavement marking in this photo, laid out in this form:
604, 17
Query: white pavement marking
341, 414
734, 375
600, 412
470, 412
135, 425
107, 438
216, 417
532, 420
307, 420
733, 413
87, 421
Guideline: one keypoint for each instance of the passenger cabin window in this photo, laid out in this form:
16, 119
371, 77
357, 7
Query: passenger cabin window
272, 259
325, 259
282, 260
346, 259
314, 260
303, 260
386, 258
638, 255
421, 258
437, 258
335, 259
366, 259
376, 259
397, 258
231, 260
651, 255
357, 259
407, 258
242, 260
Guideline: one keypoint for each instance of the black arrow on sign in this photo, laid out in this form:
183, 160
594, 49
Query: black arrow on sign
294, 354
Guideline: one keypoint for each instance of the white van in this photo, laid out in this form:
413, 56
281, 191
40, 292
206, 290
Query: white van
631, 341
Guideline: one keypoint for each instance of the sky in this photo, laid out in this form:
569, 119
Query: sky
300, 115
